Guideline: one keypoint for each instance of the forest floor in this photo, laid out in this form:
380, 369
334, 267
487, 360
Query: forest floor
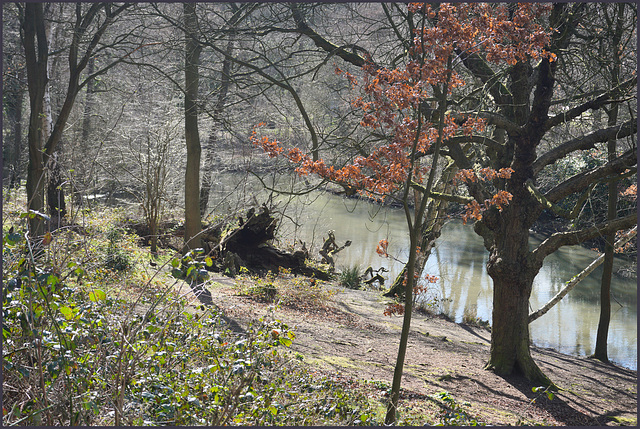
349, 335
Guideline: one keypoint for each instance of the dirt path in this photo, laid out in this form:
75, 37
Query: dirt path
353, 337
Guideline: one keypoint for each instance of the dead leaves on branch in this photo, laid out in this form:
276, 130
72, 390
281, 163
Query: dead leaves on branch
393, 101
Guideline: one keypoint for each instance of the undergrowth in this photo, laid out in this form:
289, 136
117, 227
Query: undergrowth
294, 292
94, 335
89, 340
350, 277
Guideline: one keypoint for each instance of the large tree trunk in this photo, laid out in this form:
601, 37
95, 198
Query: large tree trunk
512, 271
510, 326
192, 175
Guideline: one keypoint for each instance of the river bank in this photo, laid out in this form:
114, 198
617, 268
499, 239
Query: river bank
351, 337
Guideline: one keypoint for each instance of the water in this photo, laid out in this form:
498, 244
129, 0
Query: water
459, 261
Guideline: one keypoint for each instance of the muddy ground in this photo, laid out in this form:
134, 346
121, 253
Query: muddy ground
351, 336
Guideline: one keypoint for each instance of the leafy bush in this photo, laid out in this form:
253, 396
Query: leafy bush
116, 257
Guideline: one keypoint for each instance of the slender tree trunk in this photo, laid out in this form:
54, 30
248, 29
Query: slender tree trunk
13, 96
82, 169
431, 229
36, 54
192, 175
392, 408
607, 272
579, 277
415, 233
17, 132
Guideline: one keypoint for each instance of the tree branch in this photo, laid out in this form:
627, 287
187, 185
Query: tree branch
560, 239
582, 180
579, 277
594, 104
583, 143
321, 42
553, 207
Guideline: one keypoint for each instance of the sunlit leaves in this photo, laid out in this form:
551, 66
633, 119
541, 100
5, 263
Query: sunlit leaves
47, 238
97, 295
381, 249
475, 209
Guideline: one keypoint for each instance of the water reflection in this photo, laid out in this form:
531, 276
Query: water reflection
459, 260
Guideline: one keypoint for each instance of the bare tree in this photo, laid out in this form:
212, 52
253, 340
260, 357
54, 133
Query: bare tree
88, 26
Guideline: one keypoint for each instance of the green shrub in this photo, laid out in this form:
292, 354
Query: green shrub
116, 257
453, 413
350, 277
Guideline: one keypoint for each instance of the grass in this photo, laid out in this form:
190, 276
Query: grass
470, 318
294, 292
350, 277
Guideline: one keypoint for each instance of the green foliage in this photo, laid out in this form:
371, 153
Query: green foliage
543, 391
76, 355
453, 413
116, 257
191, 267
350, 277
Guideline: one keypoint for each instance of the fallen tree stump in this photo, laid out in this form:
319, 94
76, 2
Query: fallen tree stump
248, 245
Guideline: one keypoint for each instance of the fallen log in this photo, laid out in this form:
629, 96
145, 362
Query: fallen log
249, 243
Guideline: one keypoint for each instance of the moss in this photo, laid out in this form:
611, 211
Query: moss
625, 421
337, 361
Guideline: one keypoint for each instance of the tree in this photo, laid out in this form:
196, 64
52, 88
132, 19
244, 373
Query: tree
617, 29
13, 77
527, 120
513, 95
87, 29
192, 137
395, 104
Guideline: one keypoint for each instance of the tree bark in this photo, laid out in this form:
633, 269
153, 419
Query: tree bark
192, 174
36, 54
13, 97
82, 170
512, 270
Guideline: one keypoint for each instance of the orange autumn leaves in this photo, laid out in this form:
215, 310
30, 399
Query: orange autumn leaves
499, 200
503, 32
393, 99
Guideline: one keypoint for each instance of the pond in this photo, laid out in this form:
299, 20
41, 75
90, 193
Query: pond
459, 261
